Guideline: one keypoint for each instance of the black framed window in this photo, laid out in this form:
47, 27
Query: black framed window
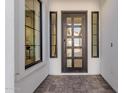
33, 32
53, 34
95, 34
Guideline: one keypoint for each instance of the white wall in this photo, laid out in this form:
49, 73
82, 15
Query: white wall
9, 41
26, 81
109, 33
74, 5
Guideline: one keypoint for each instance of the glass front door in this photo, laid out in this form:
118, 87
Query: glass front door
74, 42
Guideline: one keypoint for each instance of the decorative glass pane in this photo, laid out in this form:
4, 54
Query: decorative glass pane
69, 20
77, 42
53, 18
53, 40
77, 21
69, 62
95, 29
77, 31
94, 40
78, 52
69, 42
69, 31
95, 36
53, 34
94, 50
69, 52
78, 63
53, 29
29, 38
95, 18
53, 51
37, 53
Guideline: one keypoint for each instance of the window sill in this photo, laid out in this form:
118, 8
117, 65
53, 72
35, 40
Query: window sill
30, 70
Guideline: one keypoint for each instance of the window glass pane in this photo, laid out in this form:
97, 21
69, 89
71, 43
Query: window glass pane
77, 21
29, 39
37, 53
37, 8
77, 42
32, 32
69, 42
95, 18
78, 63
77, 31
69, 62
29, 4
29, 51
29, 18
78, 52
37, 37
37, 23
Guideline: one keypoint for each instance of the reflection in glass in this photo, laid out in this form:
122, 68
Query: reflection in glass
29, 39
69, 62
69, 42
37, 37
77, 42
78, 63
77, 21
77, 31
53, 51
37, 53
53, 40
94, 18
69, 31
69, 21
69, 52
94, 29
77, 52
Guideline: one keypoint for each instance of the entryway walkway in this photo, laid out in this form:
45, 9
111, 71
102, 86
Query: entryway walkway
74, 84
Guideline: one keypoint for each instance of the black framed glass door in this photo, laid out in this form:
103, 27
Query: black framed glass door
74, 42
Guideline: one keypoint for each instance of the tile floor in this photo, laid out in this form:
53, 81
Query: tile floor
74, 84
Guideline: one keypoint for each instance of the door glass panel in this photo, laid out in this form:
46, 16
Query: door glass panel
69, 21
37, 53
77, 21
77, 52
69, 41
77, 31
69, 52
94, 50
69, 62
53, 51
69, 31
78, 63
77, 42
94, 18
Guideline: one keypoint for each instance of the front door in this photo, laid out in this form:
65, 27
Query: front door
74, 41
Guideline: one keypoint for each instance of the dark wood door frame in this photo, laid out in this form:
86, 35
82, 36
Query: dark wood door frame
62, 49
